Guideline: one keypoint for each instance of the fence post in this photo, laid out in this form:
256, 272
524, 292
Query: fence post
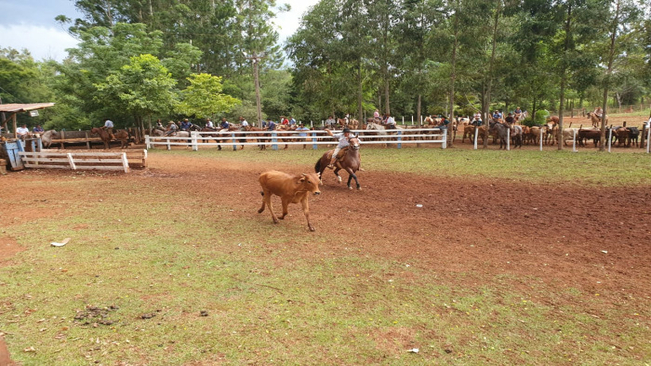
314, 146
148, 142
648, 136
610, 138
399, 145
169, 147
541, 137
71, 161
234, 142
574, 140
444, 145
195, 145
274, 141
125, 162
508, 139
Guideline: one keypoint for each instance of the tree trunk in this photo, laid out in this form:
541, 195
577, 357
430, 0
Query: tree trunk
418, 109
360, 93
611, 56
568, 28
453, 79
492, 62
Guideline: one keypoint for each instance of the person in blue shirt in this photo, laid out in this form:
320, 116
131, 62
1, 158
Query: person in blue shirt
38, 129
292, 121
303, 135
497, 115
271, 126
224, 125
185, 125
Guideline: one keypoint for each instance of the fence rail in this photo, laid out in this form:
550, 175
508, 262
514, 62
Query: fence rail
52, 159
312, 137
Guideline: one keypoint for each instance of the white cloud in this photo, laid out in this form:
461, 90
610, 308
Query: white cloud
42, 42
288, 22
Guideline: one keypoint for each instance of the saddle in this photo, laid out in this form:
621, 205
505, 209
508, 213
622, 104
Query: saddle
340, 155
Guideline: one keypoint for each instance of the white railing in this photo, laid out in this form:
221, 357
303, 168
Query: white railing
311, 137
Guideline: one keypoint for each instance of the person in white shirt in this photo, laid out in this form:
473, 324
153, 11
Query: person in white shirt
209, 123
108, 125
391, 123
22, 132
343, 138
243, 123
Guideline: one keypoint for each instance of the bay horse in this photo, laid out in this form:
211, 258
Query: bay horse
350, 162
120, 135
596, 121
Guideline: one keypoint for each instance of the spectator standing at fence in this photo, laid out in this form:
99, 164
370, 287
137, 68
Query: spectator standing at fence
302, 134
284, 121
38, 129
330, 122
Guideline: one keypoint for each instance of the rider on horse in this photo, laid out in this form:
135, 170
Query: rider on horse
343, 138
108, 126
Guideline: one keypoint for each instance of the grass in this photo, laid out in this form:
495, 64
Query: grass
289, 297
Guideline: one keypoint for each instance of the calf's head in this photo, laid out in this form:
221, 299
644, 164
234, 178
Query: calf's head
310, 182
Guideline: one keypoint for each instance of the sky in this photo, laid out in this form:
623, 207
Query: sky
30, 24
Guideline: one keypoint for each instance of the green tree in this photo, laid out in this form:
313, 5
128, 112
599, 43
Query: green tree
142, 88
204, 98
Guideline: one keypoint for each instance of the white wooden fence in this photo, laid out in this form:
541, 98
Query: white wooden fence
311, 137
53, 159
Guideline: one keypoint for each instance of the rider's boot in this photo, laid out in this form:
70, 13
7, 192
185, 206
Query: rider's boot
332, 162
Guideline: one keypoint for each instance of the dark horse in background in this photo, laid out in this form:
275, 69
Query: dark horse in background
349, 161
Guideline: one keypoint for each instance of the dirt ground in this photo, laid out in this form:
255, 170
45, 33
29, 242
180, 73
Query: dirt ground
596, 240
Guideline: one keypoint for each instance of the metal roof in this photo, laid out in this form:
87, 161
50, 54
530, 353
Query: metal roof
16, 108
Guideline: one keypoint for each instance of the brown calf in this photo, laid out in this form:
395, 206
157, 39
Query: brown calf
291, 189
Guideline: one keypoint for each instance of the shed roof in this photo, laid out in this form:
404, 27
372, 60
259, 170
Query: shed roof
15, 108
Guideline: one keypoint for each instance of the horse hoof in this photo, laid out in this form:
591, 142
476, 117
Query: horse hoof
312, 228
338, 179
359, 188
351, 188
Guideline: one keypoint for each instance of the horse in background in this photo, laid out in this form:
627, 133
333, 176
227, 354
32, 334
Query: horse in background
121, 135
596, 121
47, 136
349, 160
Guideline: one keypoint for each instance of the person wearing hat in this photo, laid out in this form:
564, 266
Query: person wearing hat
509, 119
171, 128
343, 138
185, 125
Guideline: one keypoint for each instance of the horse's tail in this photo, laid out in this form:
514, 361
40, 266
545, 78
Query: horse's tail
317, 167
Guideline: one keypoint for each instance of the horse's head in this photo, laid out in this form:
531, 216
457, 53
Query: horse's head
354, 143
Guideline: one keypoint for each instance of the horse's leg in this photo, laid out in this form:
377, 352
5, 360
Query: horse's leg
352, 175
336, 171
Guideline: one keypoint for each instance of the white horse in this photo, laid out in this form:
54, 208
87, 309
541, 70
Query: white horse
47, 136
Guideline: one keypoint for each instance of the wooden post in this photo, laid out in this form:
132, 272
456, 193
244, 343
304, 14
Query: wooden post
87, 140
